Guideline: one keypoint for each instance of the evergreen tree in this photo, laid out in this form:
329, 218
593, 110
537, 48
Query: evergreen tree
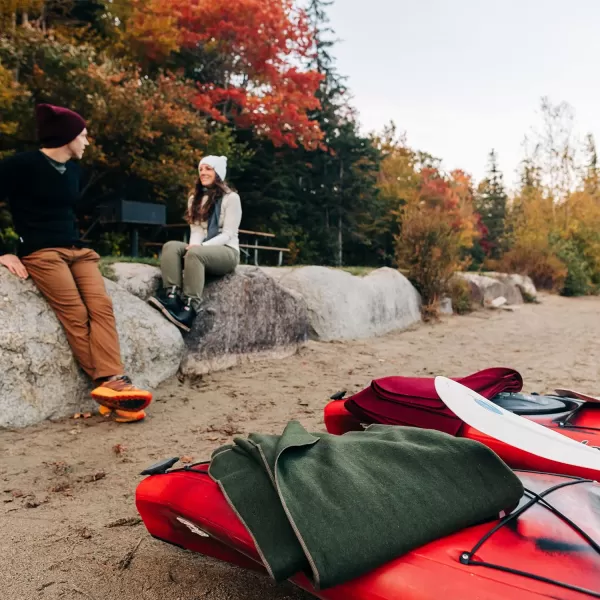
491, 206
316, 201
344, 171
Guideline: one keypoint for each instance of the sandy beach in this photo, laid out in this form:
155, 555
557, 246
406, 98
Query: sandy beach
67, 488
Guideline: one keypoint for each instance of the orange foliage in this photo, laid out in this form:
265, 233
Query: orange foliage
453, 197
437, 225
258, 43
546, 270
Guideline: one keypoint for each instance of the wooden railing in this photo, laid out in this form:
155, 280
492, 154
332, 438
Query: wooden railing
246, 249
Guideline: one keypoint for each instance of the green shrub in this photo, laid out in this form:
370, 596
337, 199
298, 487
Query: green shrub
460, 294
578, 281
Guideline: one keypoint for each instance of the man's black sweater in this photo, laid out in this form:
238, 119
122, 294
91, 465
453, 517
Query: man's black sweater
42, 201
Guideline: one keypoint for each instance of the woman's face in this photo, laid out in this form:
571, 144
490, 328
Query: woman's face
207, 175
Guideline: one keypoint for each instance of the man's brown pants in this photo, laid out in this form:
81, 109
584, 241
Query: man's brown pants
71, 282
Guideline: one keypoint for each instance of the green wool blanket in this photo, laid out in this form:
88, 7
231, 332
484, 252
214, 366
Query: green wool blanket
337, 507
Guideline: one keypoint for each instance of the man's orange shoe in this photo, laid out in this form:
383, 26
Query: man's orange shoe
121, 416
120, 394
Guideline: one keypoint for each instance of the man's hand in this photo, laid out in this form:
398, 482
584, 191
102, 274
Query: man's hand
14, 265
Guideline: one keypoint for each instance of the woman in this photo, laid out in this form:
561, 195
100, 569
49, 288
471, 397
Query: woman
214, 213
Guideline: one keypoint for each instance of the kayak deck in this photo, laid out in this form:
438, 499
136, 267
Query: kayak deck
532, 553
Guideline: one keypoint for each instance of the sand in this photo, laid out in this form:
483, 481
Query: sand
63, 483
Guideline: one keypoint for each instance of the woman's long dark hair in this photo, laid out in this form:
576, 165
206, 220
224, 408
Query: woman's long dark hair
196, 213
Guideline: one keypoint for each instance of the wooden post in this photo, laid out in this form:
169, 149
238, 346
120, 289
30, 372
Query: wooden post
135, 242
280, 259
256, 252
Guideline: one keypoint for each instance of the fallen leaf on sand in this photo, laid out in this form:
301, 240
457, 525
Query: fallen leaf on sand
94, 477
63, 486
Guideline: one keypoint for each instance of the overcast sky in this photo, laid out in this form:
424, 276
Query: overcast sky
463, 76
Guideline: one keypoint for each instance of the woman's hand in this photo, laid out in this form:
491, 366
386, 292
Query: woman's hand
14, 265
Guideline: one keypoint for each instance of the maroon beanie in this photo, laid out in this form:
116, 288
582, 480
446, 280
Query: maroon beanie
57, 126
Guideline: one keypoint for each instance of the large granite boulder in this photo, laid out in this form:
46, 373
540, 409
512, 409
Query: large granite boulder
40, 378
490, 289
523, 282
342, 306
247, 316
475, 292
138, 279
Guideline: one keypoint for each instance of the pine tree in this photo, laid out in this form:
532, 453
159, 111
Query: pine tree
491, 206
344, 171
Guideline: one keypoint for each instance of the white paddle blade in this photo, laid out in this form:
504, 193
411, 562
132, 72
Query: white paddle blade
514, 430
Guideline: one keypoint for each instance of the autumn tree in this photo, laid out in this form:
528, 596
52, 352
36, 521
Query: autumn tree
14, 100
18, 12
397, 184
552, 225
592, 167
529, 227
146, 134
246, 57
437, 228
557, 150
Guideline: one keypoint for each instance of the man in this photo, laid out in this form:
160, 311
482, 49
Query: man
43, 188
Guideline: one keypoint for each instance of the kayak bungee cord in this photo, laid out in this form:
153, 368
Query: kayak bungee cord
566, 422
466, 558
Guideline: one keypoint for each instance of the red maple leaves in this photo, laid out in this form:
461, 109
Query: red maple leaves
257, 51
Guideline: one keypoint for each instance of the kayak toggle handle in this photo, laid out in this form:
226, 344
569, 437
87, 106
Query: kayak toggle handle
160, 467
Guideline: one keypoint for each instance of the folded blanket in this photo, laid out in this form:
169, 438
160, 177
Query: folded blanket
413, 401
340, 506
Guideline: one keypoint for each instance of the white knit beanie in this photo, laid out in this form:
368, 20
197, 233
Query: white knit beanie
218, 163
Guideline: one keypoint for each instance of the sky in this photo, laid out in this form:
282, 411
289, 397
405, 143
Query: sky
461, 77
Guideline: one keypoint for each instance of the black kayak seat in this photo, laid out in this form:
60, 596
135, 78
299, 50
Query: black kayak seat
531, 404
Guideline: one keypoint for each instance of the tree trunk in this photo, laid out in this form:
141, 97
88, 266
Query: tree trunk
43, 19
340, 241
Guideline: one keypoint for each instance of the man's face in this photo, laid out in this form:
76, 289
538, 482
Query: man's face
79, 144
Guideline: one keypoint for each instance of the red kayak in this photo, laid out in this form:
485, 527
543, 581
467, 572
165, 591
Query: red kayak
548, 547
414, 402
